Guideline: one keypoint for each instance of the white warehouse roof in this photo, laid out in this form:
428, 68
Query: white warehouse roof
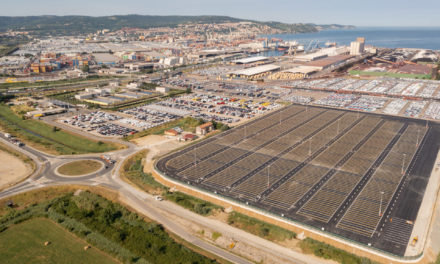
250, 60
257, 70
303, 69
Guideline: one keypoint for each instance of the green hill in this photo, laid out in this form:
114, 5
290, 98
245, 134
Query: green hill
74, 25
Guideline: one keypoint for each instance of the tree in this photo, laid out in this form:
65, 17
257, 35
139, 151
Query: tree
86, 68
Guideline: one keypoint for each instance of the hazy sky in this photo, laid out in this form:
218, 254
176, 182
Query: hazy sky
354, 12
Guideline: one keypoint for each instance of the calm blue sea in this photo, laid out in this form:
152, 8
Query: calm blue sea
424, 38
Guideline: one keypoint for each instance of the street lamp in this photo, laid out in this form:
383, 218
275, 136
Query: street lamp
195, 156
418, 132
380, 205
338, 126
310, 147
403, 162
268, 179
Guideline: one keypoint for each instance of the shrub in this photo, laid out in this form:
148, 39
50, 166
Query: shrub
326, 251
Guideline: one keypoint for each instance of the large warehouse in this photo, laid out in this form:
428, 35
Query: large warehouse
357, 175
254, 72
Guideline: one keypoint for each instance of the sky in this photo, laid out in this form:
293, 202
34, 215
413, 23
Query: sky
405, 13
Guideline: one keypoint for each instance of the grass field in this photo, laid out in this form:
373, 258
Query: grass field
58, 82
259, 228
80, 167
188, 124
46, 138
28, 199
391, 74
133, 171
24, 243
92, 219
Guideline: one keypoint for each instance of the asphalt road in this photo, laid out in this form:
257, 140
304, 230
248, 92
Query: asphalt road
45, 175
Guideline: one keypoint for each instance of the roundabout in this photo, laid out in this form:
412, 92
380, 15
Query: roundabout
80, 168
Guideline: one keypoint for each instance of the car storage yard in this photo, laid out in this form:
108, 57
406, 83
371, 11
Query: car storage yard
340, 171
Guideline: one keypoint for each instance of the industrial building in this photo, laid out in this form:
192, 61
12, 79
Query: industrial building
298, 72
251, 60
255, 72
328, 62
357, 47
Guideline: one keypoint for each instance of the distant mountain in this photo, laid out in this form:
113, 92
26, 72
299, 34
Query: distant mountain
74, 25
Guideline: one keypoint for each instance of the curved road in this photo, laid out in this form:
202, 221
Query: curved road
142, 202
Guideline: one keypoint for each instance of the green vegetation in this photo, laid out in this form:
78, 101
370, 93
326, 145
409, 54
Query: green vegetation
219, 126
192, 203
85, 68
45, 84
259, 228
24, 243
31, 198
5, 98
216, 235
187, 124
148, 86
109, 227
44, 137
6, 50
133, 170
323, 250
69, 97
174, 93
438, 259
80, 167
131, 104
391, 74
76, 25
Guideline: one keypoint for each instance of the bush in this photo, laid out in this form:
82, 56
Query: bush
194, 204
260, 228
323, 250
134, 171
216, 235
110, 227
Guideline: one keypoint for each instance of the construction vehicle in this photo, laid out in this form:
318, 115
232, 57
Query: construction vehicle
383, 60
11, 80
414, 241
107, 159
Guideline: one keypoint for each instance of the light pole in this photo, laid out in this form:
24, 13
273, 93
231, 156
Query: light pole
338, 126
403, 162
268, 179
418, 132
195, 157
380, 205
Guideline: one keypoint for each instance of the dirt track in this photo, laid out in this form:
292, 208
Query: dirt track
12, 169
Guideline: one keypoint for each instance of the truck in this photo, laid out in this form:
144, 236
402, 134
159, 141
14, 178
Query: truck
107, 159
7, 135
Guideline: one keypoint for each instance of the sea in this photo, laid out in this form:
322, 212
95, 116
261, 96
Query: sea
386, 37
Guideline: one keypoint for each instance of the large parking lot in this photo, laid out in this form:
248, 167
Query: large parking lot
220, 108
99, 122
341, 171
423, 89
